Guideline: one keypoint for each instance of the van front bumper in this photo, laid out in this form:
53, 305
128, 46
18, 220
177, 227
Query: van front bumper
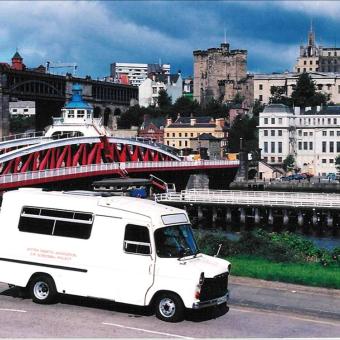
212, 302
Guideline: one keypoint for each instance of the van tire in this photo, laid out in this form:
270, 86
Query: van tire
42, 289
169, 307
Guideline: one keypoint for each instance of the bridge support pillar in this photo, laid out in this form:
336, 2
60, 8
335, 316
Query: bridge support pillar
285, 217
199, 215
214, 216
242, 219
329, 220
228, 219
270, 217
257, 217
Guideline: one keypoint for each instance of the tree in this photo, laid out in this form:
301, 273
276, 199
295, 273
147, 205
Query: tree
215, 109
163, 100
238, 98
305, 93
289, 163
337, 163
19, 123
278, 96
245, 128
257, 107
185, 106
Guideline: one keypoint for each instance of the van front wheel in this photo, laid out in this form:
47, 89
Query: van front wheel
42, 289
169, 307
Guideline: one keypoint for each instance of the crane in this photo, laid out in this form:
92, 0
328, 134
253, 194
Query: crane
53, 65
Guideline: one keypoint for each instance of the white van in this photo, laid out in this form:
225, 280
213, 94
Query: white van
124, 249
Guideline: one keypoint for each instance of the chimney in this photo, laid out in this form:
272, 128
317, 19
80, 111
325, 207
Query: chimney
168, 121
192, 121
219, 122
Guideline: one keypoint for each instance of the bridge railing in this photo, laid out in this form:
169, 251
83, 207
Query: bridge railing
253, 198
33, 175
32, 134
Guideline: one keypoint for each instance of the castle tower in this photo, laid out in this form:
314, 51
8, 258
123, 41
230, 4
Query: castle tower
17, 63
218, 72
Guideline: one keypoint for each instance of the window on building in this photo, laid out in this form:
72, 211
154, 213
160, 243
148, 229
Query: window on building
265, 132
305, 62
328, 87
186, 134
260, 97
25, 110
280, 121
324, 133
265, 120
279, 159
338, 88
329, 121
71, 114
173, 134
300, 145
167, 142
273, 120
300, 132
279, 132
279, 147
311, 133
191, 135
265, 147
168, 134
329, 54
319, 87
180, 143
331, 146
272, 159
310, 145
324, 147
304, 69
305, 146
180, 134
260, 87
298, 69
265, 159
334, 121
311, 62
272, 133
80, 113
15, 110
273, 147
185, 143
137, 240
331, 133
324, 160
331, 160
305, 133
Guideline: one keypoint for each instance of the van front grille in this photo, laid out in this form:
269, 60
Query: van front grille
215, 287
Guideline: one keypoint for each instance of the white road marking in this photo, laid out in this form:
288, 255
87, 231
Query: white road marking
12, 310
277, 313
147, 331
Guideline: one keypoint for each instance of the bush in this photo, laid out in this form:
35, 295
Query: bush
277, 247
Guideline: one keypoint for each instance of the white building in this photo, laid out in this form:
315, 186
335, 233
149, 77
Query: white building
148, 91
22, 108
326, 82
135, 74
312, 137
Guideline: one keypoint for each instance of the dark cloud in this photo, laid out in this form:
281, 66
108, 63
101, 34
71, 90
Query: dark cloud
94, 34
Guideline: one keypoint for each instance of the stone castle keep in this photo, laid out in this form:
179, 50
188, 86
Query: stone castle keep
221, 73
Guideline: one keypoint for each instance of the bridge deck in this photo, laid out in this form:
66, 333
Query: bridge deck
253, 198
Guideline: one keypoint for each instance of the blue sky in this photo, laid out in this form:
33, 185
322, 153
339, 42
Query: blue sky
95, 33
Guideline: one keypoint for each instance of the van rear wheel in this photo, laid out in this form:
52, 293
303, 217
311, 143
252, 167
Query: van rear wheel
169, 307
42, 289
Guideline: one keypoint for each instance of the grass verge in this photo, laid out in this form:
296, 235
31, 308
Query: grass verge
309, 274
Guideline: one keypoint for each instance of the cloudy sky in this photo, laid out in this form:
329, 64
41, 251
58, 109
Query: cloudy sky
96, 33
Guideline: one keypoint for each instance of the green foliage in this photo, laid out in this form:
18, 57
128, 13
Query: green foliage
245, 128
185, 106
278, 96
288, 163
238, 99
215, 109
19, 123
337, 162
257, 107
163, 100
305, 93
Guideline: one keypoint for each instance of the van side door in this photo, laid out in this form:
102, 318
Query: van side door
136, 274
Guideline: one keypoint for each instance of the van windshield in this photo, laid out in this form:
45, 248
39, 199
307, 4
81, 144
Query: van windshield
175, 241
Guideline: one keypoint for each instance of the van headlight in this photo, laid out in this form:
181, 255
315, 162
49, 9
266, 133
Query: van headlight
199, 286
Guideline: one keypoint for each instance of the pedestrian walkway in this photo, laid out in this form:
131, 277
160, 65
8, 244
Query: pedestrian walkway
279, 296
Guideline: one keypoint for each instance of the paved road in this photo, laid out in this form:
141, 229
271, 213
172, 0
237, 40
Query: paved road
76, 317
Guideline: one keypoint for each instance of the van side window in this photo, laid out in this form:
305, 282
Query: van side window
137, 239
64, 223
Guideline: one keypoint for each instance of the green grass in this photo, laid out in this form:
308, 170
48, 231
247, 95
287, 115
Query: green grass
309, 274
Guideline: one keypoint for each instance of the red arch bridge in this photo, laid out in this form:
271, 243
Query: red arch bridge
32, 160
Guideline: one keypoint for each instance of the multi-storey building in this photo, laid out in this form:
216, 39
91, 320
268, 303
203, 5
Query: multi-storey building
312, 136
328, 83
184, 132
135, 74
221, 73
22, 108
315, 58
